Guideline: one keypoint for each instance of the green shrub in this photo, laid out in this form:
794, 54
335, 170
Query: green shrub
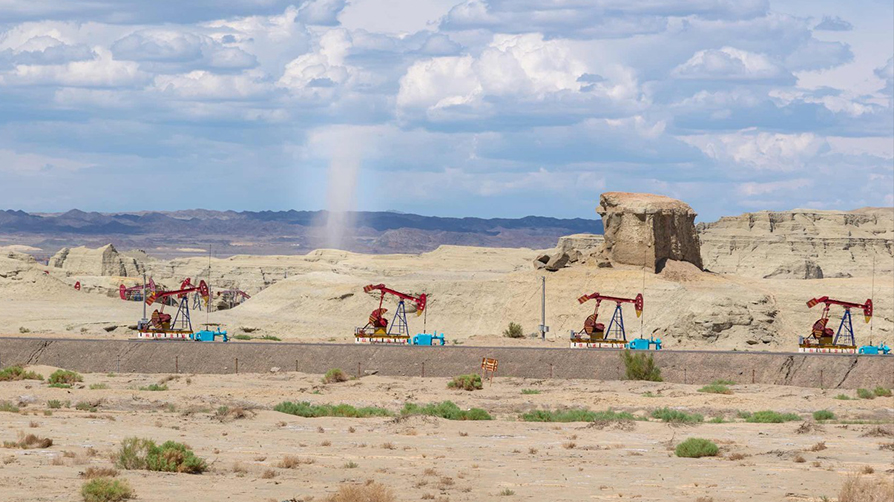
242, 337
865, 394
843, 397
65, 377
23, 330
106, 490
771, 417
716, 388
677, 416
271, 338
446, 409
85, 406
514, 331
716, 420
8, 407
468, 382
18, 373
335, 375
59, 385
98, 386
723, 382
696, 448
155, 387
882, 392
745, 415
144, 454
640, 367
305, 409
823, 415
530, 391
576, 415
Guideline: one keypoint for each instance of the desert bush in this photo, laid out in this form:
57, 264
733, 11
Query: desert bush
139, 453
446, 409
513, 331
98, 386
468, 382
823, 415
640, 367
818, 447
576, 415
866, 489
696, 448
242, 337
530, 391
85, 406
65, 377
843, 397
155, 387
8, 407
771, 417
506, 492
270, 338
716, 388
882, 392
677, 416
305, 409
335, 375
865, 394
13, 373
106, 490
370, 492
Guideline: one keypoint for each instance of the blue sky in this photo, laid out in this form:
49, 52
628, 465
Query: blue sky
477, 108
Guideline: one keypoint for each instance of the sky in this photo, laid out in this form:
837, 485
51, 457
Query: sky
486, 108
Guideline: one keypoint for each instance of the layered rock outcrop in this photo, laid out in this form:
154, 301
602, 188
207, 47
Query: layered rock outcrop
801, 244
647, 230
96, 262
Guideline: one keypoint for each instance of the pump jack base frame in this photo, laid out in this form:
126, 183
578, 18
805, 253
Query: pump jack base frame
600, 344
164, 335
386, 339
827, 349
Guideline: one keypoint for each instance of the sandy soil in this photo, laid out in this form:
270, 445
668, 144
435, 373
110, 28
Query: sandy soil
428, 458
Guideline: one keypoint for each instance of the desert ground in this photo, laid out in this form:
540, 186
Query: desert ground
426, 458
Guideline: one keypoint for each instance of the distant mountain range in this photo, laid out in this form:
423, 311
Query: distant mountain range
168, 234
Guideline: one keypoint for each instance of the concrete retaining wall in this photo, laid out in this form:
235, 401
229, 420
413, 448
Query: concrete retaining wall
90, 356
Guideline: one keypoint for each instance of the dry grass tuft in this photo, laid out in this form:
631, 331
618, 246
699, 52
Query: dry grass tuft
799, 459
268, 474
98, 472
867, 469
370, 492
28, 442
570, 445
818, 446
292, 462
878, 432
736, 456
866, 489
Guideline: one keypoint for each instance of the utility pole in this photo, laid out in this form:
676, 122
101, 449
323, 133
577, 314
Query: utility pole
543, 327
144, 299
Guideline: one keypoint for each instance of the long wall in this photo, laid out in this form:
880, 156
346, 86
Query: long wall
88, 356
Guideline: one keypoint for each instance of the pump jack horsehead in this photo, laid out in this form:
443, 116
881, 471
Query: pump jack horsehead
162, 325
594, 334
822, 339
377, 329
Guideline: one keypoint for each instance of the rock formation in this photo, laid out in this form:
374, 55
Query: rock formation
647, 230
801, 244
96, 262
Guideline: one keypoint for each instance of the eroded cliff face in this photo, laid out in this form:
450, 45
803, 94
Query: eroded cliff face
104, 261
648, 230
801, 244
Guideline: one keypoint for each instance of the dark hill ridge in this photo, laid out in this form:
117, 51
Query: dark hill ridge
274, 232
